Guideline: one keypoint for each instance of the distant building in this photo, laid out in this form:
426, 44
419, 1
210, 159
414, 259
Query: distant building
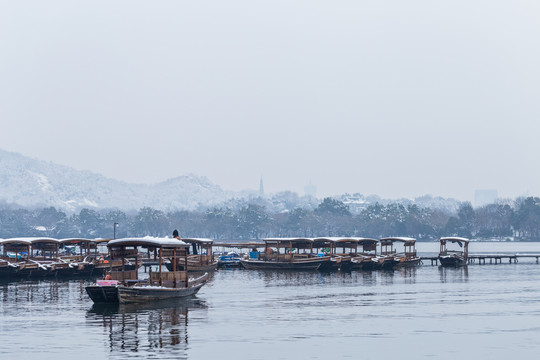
310, 190
261, 188
485, 197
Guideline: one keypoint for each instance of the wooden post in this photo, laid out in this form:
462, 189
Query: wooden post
185, 267
174, 267
160, 263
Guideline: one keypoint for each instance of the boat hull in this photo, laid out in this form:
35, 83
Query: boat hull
311, 264
452, 261
408, 262
145, 294
103, 294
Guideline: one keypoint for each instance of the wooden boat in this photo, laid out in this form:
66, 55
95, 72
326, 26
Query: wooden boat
454, 257
338, 259
125, 286
286, 254
83, 263
200, 258
363, 259
102, 261
45, 252
407, 257
18, 253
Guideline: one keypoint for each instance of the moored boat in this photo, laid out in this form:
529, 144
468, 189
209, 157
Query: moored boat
18, 252
286, 254
125, 285
341, 250
200, 256
82, 263
405, 258
363, 260
454, 258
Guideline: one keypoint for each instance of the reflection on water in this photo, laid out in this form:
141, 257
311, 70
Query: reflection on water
454, 274
141, 330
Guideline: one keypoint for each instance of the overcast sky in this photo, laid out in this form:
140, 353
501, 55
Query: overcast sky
395, 98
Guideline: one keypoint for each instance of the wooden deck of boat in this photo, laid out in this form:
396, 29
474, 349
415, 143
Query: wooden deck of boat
493, 258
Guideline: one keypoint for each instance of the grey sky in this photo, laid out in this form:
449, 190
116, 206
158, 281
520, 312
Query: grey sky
395, 98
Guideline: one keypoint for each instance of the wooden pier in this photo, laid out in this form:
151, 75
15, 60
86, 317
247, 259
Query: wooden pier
493, 258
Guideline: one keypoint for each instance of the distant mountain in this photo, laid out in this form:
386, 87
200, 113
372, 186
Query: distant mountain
29, 182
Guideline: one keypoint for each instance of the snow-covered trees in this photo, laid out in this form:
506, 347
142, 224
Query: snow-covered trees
250, 221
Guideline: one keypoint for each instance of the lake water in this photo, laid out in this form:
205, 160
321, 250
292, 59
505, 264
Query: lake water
480, 311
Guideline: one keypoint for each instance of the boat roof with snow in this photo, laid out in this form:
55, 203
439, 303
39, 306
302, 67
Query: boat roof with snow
76, 241
197, 240
151, 242
32, 240
19, 241
454, 239
406, 240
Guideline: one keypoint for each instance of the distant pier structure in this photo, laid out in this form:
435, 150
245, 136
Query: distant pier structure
492, 258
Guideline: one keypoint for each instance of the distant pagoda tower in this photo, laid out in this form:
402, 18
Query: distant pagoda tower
261, 187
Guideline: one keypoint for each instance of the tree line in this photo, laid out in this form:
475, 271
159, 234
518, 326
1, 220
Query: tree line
519, 219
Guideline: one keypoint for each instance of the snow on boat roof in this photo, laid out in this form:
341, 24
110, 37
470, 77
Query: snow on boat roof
455, 239
198, 240
75, 240
400, 238
148, 241
352, 239
31, 240
287, 239
16, 241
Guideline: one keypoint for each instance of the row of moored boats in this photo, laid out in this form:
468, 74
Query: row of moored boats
345, 254
179, 267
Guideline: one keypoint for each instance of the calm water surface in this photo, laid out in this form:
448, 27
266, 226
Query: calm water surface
484, 311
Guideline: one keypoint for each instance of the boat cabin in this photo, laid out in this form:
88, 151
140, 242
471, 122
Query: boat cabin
165, 248
409, 246
455, 256
288, 249
200, 252
15, 249
83, 247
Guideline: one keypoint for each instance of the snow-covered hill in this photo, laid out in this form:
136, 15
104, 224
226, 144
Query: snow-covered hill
29, 182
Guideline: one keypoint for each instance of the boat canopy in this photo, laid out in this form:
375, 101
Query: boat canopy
33, 240
454, 239
151, 242
366, 241
17, 241
16, 245
76, 241
407, 241
323, 242
197, 240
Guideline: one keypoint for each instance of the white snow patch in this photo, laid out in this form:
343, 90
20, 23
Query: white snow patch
42, 181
